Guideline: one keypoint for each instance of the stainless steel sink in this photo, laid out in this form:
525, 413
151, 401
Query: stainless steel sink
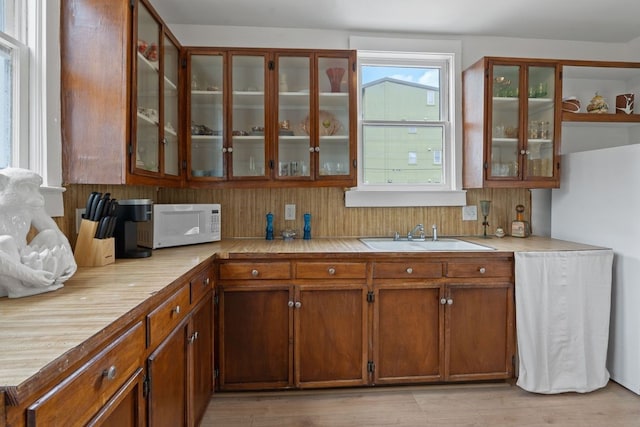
387, 244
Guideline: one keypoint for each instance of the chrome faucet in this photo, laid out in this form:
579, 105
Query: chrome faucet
420, 228
434, 228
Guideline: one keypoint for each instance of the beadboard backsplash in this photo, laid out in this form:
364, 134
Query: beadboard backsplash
244, 210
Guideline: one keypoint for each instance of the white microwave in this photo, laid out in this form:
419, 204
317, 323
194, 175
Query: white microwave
180, 224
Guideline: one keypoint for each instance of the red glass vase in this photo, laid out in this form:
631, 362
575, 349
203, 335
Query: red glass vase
335, 78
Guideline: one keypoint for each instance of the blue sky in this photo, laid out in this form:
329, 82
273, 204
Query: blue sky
425, 76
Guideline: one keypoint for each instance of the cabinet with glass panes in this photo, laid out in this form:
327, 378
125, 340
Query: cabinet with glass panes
511, 123
278, 120
123, 126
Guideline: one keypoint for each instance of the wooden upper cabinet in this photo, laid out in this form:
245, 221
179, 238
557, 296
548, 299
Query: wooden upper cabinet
120, 115
511, 123
267, 117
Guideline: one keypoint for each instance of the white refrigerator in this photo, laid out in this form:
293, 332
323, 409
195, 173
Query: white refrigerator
598, 203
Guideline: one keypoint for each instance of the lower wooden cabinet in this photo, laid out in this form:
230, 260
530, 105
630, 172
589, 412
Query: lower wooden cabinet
108, 379
126, 407
432, 320
180, 369
408, 340
274, 335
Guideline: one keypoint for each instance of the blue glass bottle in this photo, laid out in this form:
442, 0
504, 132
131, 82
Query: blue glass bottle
269, 230
307, 227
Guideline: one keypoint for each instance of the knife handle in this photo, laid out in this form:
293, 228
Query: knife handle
101, 231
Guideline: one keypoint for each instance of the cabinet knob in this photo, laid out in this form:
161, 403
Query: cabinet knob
230, 150
317, 149
482, 270
311, 149
109, 373
224, 149
298, 304
522, 152
193, 337
254, 273
409, 270
176, 310
443, 301
291, 304
206, 282
331, 271
450, 301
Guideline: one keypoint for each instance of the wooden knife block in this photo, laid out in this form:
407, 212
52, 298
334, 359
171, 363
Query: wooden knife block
92, 252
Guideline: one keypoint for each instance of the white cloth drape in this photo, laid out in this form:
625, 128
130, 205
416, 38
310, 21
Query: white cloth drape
563, 304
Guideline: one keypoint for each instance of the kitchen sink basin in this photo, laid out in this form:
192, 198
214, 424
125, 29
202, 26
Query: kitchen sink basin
387, 244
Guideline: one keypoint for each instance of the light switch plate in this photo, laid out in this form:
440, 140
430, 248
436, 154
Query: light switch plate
470, 213
289, 212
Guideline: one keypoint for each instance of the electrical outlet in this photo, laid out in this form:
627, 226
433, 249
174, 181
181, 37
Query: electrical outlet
470, 213
79, 212
289, 212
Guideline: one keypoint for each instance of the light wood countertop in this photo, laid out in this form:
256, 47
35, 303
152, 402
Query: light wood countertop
44, 334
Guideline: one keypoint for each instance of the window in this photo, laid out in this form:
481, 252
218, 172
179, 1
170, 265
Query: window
30, 93
14, 74
407, 127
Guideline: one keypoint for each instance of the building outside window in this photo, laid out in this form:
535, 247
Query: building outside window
404, 121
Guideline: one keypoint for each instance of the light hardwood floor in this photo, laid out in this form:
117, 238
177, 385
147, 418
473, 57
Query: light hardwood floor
475, 405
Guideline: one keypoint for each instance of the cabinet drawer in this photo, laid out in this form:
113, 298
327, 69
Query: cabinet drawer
200, 285
81, 395
407, 270
331, 270
255, 270
480, 268
167, 316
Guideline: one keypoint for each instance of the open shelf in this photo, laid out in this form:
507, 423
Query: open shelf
600, 118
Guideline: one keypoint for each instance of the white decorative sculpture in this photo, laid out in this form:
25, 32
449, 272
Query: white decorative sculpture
44, 263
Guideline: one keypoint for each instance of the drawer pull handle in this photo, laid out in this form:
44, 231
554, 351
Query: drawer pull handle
110, 373
298, 304
409, 270
450, 301
331, 271
291, 304
482, 270
176, 310
254, 273
443, 301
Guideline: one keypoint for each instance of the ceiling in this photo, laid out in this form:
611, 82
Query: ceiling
586, 20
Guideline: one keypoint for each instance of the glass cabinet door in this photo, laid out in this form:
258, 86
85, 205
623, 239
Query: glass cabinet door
333, 117
147, 142
294, 117
504, 152
248, 116
206, 146
539, 150
170, 110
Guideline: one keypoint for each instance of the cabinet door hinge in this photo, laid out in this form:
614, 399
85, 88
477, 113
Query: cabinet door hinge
355, 164
216, 372
184, 165
184, 62
486, 165
146, 385
353, 67
271, 164
216, 300
272, 65
130, 149
370, 296
371, 367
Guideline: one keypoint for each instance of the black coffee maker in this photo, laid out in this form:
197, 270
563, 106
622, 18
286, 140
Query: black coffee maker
130, 212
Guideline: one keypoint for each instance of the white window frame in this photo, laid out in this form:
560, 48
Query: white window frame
39, 134
450, 194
